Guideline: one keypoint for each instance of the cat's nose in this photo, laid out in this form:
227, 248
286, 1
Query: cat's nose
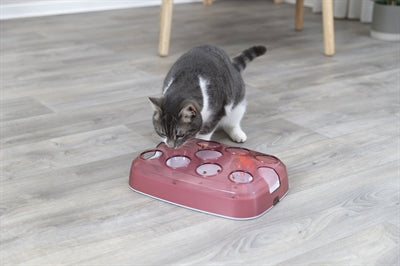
177, 145
173, 144
170, 143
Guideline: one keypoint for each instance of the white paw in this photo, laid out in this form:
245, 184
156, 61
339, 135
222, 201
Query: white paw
204, 137
237, 135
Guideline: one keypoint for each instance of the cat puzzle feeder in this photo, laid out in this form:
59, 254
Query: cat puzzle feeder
208, 176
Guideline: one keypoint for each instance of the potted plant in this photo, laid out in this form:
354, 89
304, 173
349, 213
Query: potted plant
386, 20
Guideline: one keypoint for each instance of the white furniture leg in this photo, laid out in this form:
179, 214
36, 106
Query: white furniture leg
329, 34
165, 27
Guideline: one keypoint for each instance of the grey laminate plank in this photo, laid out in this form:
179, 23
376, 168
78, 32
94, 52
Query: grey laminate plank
321, 71
380, 239
53, 125
24, 160
115, 92
94, 73
329, 160
21, 108
338, 111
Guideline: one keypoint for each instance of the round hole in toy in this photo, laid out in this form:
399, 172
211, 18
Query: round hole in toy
178, 162
209, 169
150, 155
208, 154
237, 150
271, 177
240, 177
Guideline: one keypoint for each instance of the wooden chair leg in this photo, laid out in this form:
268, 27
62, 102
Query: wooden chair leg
165, 27
207, 2
299, 14
329, 34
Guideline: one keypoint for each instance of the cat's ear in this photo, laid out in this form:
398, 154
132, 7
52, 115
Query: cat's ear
156, 104
188, 112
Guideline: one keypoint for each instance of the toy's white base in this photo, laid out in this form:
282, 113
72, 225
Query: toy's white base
223, 216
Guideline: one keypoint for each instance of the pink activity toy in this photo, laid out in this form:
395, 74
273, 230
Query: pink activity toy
211, 177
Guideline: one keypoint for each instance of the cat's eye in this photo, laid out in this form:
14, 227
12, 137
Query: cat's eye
179, 136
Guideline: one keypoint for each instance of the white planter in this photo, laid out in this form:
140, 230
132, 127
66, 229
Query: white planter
386, 22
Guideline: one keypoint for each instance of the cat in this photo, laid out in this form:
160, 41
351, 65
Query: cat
203, 90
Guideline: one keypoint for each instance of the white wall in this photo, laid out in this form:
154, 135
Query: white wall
10, 9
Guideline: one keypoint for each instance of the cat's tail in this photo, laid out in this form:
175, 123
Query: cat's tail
240, 61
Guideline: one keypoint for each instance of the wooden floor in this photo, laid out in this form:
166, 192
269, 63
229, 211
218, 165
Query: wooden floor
74, 114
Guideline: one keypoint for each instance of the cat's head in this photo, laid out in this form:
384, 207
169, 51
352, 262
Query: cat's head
176, 123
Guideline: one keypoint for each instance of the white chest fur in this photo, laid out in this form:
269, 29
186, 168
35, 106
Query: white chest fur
205, 112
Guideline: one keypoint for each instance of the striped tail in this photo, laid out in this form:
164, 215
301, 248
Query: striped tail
240, 61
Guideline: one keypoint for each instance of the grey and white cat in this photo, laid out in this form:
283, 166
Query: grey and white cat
203, 90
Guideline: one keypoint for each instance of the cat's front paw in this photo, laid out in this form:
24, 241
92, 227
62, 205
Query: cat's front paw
204, 136
237, 135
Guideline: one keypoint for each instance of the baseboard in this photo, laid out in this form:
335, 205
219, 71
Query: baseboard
51, 7
307, 3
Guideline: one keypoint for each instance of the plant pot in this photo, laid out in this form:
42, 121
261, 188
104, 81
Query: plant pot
386, 22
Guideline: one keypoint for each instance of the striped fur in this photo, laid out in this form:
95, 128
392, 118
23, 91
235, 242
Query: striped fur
240, 61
